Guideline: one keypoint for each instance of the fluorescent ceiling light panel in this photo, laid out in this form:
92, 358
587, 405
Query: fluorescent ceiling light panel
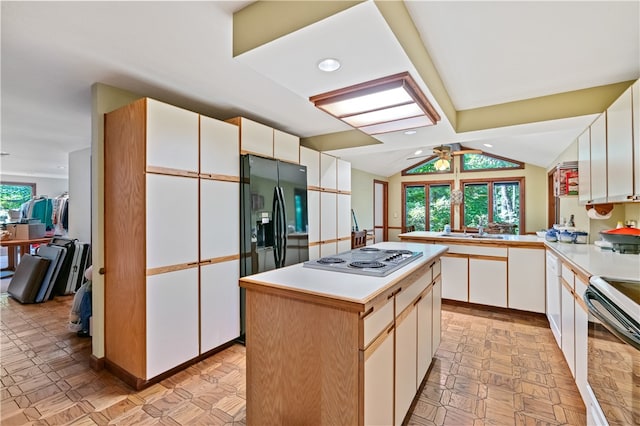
384, 105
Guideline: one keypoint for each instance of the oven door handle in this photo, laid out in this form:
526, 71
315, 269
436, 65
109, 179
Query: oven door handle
621, 327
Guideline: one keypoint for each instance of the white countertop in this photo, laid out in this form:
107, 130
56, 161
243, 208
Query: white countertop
596, 261
458, 237
340, 285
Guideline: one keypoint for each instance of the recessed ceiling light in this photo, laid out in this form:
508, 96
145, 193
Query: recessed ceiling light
410, 132
418, 152
488, 145
329, 65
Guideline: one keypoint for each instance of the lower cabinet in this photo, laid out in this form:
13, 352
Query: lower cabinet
426, 328
172, 320
581, 335
437, 311
567, 324
406, 361
219, 304
455, 281
488, 281
378, 380
527, 279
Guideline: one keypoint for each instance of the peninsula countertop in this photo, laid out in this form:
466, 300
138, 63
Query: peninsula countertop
472, 238
340, 286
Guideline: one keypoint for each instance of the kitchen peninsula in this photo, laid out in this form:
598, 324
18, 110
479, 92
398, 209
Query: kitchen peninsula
328, 347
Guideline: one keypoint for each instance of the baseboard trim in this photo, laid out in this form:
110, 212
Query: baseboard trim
96, 363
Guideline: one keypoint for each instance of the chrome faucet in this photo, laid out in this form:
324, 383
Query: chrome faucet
464, 229
480, 230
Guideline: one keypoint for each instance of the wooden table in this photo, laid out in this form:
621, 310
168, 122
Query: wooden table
25, 248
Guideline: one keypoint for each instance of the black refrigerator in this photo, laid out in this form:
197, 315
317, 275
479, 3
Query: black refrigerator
273, 217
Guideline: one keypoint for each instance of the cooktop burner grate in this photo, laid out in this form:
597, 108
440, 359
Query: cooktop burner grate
369, 249
367, 264
398, 251
330, 260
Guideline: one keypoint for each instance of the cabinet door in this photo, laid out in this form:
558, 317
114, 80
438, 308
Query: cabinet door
488, 282
172, 220
328, 249
568, 331
344, 245
219, 219
172, 320
581, 348
378, 381
219, 304
527, 279
344, 216
311, 159
328, 216
172, 137
314, 252
425, 331
313, 211
455, 276
635, 89
286, 147
256, 138
406, 353
219, 152
584, 167
344, 175
620, 149
328, 171
599, 159
437, 314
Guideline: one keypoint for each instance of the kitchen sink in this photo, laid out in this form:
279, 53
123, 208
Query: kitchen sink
474, 236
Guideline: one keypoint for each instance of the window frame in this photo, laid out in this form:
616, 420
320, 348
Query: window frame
426, 185
520, 164
28, 184
405, 172
490, 182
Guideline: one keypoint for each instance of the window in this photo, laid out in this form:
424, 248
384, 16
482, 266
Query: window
480, 162
425, 167
12, 196
427, 206
493, 201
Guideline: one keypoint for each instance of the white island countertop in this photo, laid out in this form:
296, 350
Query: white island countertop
593, 260
341, 286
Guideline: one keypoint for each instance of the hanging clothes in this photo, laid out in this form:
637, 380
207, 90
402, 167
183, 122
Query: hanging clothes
42, 209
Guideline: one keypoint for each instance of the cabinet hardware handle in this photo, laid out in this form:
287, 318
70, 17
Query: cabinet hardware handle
367, 312
101, 271
391, 295
433, 264
192, 264
417, 301
390, 329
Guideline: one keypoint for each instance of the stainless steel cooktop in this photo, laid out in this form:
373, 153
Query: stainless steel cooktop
371, 261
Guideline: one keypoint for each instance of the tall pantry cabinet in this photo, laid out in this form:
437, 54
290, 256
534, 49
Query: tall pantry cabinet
171, 247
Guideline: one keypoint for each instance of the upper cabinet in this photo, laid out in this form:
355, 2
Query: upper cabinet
259, 139
344, 176
219, 153
311, 159
609, 153
620, 149
328, 172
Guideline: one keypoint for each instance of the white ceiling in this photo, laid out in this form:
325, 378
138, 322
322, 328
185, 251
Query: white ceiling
180, 52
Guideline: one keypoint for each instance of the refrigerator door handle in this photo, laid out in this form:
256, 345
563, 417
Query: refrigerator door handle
283, 218
275, 213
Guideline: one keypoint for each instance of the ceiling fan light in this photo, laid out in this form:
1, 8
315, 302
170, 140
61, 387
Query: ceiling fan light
441, 164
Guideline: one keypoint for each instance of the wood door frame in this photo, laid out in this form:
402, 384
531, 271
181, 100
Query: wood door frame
552, 211
385, 209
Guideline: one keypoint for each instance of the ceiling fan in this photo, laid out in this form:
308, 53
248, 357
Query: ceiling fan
446, 152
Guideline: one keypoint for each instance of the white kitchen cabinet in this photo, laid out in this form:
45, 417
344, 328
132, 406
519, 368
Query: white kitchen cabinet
343, 245
311, 159
378, 380
171, 227
455, 278
488, 282
219, 227
343, 175
620, 149
599, 160
635, 93
328, 172
313, 211
581, 348
437, 313
328, 249
526, 279
328, 216
219, 148
219, 304
406, 358
425, 319
584, 167
171, 319
172, 137
554, 295
344, 216
286, 147
255, 138
568, 325
314, 252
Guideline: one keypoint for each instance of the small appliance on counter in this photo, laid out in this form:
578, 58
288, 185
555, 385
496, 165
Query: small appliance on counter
623, 240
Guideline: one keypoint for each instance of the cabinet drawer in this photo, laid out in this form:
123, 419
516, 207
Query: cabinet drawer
478, 250
376, 322
411, 293
567, 275
435, 270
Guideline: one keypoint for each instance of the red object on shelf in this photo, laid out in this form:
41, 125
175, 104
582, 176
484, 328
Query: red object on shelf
622, 231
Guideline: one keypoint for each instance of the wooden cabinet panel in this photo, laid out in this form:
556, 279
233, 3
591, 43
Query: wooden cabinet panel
568, 331
455, 278
599, 159
488, 282
328, 217
172, 137
172, 225
313, 209
328, 171
635, 93
406, 352
344, 175
378, 382
219, 304
425, 339
172, 320
219, 224
219, 147
255, 138
584, 167
620, 149
311, 159
344, 216
527, 279
286, 147
437, 314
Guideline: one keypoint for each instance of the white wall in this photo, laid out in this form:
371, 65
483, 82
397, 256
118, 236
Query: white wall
80, 195
362, 197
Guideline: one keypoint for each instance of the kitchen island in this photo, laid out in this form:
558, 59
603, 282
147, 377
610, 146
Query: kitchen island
326, 347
